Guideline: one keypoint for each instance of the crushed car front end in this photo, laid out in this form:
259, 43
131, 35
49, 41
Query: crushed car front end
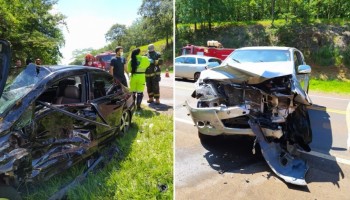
262, 99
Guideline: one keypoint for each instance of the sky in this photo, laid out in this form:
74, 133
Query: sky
89, 20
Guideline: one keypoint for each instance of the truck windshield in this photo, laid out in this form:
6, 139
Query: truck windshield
260, 55
21, 86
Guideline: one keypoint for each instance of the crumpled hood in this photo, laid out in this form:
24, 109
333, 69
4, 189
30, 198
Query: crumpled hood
252, 73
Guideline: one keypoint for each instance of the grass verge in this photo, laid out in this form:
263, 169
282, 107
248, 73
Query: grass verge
330, 86
143, 169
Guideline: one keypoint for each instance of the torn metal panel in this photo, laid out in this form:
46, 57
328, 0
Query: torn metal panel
287, 167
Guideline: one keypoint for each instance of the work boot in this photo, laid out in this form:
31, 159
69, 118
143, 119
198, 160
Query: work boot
150, 100
139, 98
157, 101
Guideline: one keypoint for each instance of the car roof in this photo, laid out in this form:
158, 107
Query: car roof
63, 68
265, 48
196, 56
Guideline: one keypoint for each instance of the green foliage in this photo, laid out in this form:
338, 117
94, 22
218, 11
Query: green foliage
116, 32
346, 56
205, 12
33, 30
324, 56
158, 16
146, 163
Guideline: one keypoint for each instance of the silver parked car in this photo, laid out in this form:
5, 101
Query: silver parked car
191, 66
259, 92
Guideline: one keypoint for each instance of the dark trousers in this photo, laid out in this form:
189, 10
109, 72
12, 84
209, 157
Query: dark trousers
152, 84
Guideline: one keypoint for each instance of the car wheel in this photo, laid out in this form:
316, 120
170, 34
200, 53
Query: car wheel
196, 76
125, 122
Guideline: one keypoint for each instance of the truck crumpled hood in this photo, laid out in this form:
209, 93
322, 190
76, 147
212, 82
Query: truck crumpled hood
252, 73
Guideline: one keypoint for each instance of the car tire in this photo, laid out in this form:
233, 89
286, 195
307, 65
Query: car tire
196, 76
125, 122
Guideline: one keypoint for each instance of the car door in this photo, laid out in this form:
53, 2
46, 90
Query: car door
108, 99
65, 127
189, 67
179, 66
302, 78
5, 60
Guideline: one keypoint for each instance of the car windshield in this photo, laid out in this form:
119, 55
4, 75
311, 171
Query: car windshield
20, 86
260, 55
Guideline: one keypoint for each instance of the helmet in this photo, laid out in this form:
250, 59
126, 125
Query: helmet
89, 57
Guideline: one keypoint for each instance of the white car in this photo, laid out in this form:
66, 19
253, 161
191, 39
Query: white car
191, 66
259, 92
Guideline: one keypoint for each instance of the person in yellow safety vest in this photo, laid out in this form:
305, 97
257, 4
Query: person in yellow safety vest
137, 66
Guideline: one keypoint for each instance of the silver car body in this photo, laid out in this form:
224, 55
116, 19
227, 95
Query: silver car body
262, 92
187, 66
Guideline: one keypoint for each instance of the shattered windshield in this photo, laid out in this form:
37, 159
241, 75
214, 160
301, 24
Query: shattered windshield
260, 55
20, 86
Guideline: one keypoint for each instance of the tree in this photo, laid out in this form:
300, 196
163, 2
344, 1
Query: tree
158, 15
33, 30
116, 32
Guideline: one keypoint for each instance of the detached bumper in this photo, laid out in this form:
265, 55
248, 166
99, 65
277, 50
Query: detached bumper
208, 120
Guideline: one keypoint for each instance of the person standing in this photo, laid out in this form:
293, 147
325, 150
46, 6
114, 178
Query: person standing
89, 60
153, 75
38, 61
118, 66
137, 66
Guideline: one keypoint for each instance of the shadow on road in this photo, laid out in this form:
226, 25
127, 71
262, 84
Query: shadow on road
322, 142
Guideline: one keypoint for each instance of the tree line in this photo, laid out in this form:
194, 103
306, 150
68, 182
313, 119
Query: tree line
35, 30
32, 28
205, 12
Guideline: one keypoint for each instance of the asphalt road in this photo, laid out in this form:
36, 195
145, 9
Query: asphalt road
226, 168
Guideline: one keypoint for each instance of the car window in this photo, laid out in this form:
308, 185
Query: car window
214, 60
201, 61
101, 84
180, 60
68, 90
190, 60
297, 60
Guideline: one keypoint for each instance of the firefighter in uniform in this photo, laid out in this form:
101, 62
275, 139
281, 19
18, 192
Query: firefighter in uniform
153, 75
137, 66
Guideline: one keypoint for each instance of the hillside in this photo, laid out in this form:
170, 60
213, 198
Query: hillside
325, 45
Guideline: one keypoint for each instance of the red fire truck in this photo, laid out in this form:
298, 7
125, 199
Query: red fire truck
214, 49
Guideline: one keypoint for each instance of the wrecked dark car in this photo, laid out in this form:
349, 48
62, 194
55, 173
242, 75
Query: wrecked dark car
259, 92
52, 117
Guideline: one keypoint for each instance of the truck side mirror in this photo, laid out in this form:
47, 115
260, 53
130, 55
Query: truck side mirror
304, 69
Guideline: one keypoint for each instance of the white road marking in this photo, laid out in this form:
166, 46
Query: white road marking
348, 123
325, 97
328, 157
313, 153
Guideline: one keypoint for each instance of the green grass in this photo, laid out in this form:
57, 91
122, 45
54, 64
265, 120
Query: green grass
145, 164
330, 86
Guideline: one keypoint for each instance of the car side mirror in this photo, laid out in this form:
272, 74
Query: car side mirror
304, 69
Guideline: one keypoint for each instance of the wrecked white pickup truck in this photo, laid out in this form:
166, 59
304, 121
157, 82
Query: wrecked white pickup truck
259, 92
